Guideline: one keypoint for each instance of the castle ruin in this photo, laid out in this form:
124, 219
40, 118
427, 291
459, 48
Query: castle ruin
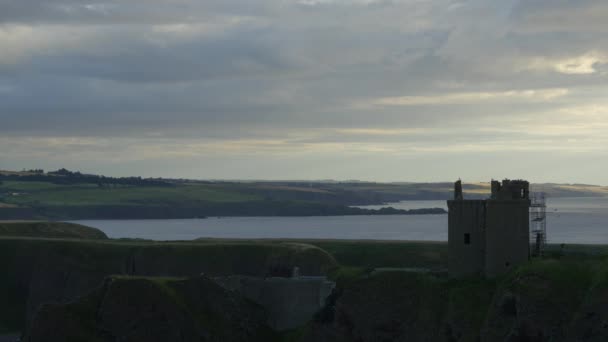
488, 237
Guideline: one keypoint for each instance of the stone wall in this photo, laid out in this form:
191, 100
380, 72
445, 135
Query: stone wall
466, 237
507, 235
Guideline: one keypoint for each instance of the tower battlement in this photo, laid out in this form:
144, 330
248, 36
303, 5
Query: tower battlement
510, 190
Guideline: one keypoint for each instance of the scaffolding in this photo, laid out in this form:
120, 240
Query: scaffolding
538, 223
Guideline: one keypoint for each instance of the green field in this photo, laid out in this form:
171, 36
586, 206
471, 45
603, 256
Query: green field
74, 196
41, 193
50, 190
374, 254
74, 199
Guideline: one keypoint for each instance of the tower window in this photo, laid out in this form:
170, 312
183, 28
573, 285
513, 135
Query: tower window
467, 239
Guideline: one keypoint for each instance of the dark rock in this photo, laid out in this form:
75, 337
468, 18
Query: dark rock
147, 309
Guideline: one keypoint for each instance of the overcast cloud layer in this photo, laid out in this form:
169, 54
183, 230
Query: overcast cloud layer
419, 90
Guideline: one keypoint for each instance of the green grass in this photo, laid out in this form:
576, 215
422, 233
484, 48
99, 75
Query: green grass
558, 250
563, 282
50, 230
468, 303
49, 194
38, 186
373, 254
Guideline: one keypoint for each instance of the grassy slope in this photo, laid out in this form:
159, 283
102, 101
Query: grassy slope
45, 200
50, 230
49, 194
374, 254
40, 193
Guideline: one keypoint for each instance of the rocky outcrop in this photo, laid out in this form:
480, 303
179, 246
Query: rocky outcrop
141, 309
546, 300
392, 306
57, 271
289, 302
540, 302
561, 299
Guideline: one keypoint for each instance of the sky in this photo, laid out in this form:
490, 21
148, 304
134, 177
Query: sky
378, 90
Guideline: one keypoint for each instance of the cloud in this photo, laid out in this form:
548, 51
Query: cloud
561, 16
473, 97
292, 79
587, 63
20, 42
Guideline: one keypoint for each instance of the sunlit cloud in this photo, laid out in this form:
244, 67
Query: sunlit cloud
19, 43
473, 97
379, 131
580, 65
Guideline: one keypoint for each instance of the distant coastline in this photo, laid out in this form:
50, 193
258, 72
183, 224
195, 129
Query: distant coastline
257, 208
71, 195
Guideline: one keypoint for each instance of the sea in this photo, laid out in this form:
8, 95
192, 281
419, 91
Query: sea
581, 220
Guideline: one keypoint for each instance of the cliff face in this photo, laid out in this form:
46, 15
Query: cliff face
289, 302
546, 300
551, 300
140, 309
57, 271
559, 299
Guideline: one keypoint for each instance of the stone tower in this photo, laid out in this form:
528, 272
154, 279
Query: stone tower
488, 237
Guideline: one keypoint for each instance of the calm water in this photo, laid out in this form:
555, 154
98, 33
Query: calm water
570, 220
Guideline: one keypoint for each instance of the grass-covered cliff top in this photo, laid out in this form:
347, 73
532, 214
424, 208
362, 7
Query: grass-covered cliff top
561, 297
42, 229
571, 281
36, 270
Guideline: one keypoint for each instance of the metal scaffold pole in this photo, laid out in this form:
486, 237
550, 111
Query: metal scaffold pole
538, 223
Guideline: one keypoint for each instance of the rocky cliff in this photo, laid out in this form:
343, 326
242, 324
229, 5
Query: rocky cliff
546, 300
153, 309
41, 271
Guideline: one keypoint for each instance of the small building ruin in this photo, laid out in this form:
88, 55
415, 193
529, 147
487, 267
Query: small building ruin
489, 237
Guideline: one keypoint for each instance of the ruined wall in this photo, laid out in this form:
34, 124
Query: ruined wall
510, 189
507, 235
466, 237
